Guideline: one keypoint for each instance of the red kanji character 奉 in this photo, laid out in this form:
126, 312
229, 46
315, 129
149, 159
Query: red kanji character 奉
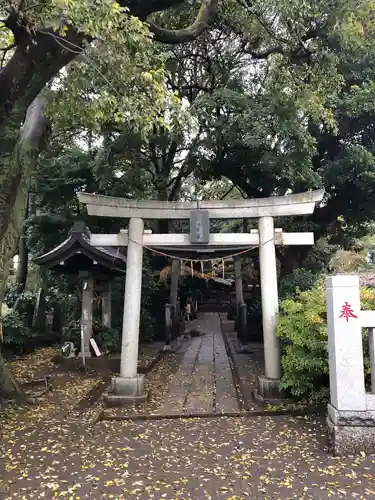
347, 312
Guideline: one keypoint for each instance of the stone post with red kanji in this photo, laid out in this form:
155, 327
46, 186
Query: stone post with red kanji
351, 412
346, 371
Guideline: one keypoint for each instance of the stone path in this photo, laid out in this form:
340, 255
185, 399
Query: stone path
249, 366
203, 382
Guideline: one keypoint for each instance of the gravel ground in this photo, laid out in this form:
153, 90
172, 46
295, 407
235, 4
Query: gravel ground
223, 458
50, 451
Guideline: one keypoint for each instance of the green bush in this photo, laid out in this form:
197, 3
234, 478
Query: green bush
254, 306
108, 339
300, 280
23, 303
147, 326
17, 337
303, 330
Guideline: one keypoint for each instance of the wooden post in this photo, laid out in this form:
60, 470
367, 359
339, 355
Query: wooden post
243, 321
86, 317
175, 276
168, 324
107, 306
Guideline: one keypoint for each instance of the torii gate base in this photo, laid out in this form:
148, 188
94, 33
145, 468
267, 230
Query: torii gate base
128, 388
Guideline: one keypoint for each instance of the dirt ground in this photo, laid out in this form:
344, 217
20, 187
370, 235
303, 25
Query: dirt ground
51, 450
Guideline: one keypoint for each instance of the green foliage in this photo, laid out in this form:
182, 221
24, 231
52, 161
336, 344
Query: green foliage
117, 75
303, 330
71, 332
319, 256
254, 306
23, 303
56, 202
108, 339
147, 324
302, 123
299, 281
17, 337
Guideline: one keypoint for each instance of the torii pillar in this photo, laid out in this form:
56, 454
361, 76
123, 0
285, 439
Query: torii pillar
269, 384
129, 386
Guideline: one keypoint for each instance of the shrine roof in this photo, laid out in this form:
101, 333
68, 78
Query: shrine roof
76, 253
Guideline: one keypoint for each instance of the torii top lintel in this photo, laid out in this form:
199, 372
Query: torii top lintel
273, 206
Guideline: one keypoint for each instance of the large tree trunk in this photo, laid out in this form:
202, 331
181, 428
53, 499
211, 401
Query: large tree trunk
31, 141
23, 160
9, 388
21, 81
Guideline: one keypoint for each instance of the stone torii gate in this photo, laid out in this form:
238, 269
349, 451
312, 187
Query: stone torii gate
130, 385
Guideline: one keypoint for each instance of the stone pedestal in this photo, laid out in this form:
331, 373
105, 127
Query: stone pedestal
126, 391
172, 342
351, 432
242, 348
268, 391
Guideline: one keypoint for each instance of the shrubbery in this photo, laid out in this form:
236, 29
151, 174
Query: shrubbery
17, 337
303, 330
108, 339
23, 303
300, 280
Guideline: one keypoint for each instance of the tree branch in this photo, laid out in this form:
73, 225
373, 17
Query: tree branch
266, 53
171, 154
143, 8
189, 34
228, 191
248, 6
